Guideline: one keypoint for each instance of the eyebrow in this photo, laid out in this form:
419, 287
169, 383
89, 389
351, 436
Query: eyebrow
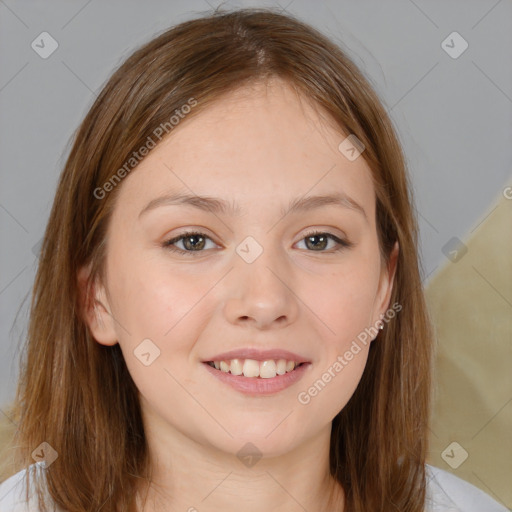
221, 206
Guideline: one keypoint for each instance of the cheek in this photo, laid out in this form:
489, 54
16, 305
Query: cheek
344, 305
151, 302
165, 308
333, 385
343, 301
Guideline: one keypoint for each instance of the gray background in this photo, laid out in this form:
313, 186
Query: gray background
453, 116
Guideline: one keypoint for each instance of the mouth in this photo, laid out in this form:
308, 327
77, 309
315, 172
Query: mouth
254, 369
257, 378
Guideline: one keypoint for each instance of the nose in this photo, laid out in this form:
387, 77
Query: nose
261, 293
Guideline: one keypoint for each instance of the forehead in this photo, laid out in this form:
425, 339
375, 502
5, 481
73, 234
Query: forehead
262, 142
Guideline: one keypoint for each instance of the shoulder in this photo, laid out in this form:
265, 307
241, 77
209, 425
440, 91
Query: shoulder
449, 493
12, 494
13, 491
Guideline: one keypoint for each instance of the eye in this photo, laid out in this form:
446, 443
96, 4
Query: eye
318, 240
193, 242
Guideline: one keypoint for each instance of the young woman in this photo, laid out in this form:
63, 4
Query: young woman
228, 312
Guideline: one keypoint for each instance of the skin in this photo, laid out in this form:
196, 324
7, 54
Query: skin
261, 146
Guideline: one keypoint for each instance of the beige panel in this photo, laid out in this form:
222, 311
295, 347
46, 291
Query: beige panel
470, 302
7, 429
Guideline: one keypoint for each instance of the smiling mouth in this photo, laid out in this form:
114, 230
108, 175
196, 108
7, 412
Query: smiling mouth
253, 369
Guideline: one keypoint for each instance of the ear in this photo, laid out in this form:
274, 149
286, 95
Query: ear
387, 279
95, 308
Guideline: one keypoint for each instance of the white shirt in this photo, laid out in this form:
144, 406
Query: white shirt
445, 493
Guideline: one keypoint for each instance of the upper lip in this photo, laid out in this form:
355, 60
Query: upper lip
259, 355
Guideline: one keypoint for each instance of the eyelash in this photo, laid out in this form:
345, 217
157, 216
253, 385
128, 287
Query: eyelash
342, 244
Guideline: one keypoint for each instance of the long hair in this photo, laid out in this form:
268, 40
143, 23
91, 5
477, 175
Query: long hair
78, 395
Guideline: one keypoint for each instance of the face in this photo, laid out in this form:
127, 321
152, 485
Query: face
264, 282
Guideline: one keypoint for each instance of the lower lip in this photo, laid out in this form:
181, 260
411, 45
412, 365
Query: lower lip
257, 385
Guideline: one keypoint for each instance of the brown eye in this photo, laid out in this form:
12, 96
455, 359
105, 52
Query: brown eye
318, 241
193, 242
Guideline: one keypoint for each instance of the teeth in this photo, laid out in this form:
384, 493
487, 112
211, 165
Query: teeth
236, 367
281, 367
268, 369
252, 368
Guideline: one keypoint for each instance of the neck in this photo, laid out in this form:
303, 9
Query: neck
188, 476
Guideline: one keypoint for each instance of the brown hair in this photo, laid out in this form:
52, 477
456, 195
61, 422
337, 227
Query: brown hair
78, 395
